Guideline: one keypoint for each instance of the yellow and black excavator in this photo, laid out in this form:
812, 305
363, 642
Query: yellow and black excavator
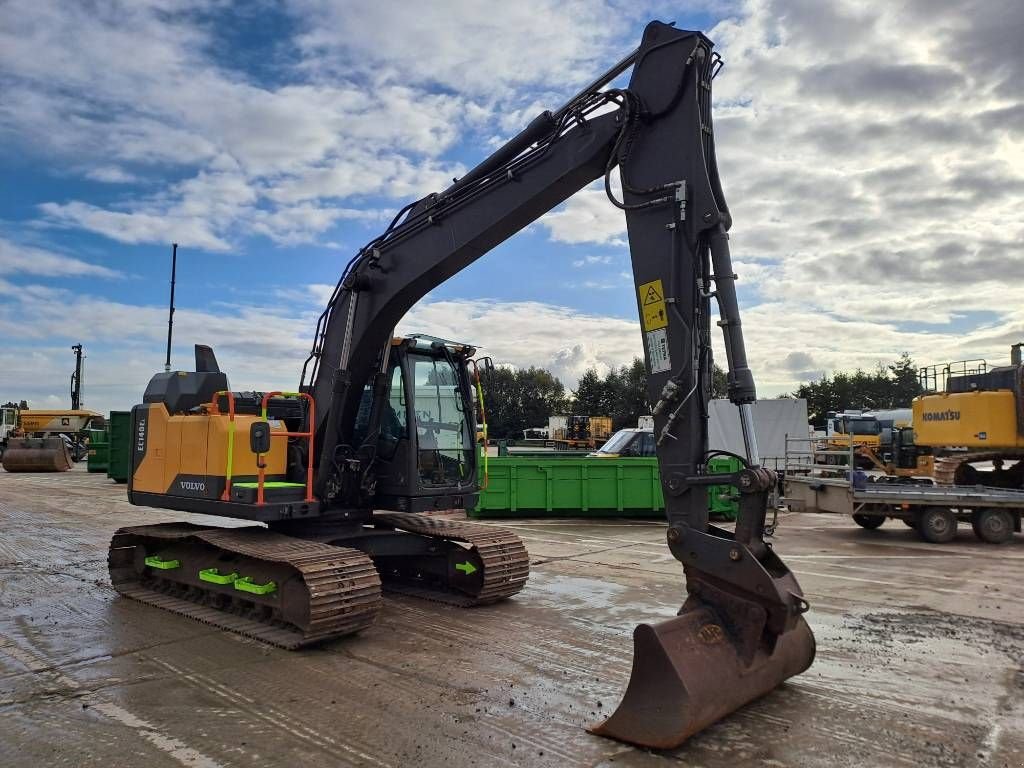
970, 415
381, 430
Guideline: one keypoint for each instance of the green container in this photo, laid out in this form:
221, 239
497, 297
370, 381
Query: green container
552, 486
119, 463
99, 450
722, 500
570, 487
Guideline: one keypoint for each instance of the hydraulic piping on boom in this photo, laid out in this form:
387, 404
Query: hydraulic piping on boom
381, 429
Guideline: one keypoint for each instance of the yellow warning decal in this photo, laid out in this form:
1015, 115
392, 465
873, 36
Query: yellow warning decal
652, 305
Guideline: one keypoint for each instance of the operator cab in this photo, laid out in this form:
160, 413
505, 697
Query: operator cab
425, 450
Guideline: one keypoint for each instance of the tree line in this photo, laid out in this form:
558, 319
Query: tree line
892, 385
525, 398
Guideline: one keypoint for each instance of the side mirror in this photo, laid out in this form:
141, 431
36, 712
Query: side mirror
259, 437
487, 363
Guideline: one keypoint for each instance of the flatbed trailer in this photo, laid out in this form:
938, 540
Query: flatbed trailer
934, 511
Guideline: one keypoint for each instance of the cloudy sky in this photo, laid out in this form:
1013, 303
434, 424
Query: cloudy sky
872, 154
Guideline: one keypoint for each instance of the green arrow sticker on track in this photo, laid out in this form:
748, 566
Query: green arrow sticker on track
467, 568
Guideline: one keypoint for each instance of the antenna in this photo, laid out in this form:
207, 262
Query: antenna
170, 314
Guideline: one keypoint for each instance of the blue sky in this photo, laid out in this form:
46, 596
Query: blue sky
271, 139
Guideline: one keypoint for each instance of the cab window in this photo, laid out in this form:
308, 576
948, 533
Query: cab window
444, 442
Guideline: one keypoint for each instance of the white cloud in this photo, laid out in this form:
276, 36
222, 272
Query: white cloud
125, 342
28, 260
587, 261
873, 180
873, 177
135, 226
529, 333
77, 90
484, 49
110, 174
588, 217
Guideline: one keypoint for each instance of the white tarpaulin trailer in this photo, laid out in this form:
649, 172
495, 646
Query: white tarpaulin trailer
773, 421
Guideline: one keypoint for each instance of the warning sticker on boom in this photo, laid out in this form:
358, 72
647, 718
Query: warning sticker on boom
652, 305
657, 351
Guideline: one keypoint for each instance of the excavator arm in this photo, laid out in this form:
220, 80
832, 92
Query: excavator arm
740, 632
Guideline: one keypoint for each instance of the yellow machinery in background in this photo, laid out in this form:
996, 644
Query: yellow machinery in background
48, 440
579, 432
972, 414
45, 440
968, 427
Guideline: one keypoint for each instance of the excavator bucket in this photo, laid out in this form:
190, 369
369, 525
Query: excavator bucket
689, 672
37, 454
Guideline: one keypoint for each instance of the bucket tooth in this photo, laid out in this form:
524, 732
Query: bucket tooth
688, 672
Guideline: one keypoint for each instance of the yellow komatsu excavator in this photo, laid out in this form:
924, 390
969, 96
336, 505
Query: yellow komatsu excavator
381, 431
968, 425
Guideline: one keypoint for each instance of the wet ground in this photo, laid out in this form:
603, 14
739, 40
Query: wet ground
920, 657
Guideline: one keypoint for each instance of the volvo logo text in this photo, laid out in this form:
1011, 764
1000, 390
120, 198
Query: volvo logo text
192, 485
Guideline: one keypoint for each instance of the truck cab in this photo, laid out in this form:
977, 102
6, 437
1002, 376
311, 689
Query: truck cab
865, 429
8, 421
627, 442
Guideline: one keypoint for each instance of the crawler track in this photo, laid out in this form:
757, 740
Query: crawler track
324, 591
948, 468
503, 556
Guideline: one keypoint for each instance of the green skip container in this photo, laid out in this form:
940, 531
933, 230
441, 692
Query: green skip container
99, 450
119, 464
570, 487
539, 486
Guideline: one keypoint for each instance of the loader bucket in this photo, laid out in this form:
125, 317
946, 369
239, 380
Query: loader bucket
687, 674
37, 454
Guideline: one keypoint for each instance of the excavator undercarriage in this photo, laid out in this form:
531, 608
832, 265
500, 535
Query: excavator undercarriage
292, 591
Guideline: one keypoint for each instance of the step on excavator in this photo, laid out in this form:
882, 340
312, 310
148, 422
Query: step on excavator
381, 430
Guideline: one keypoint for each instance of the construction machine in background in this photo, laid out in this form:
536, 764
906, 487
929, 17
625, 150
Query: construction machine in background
843, 426
879, 440
344, 471
970, 414
586, 433
48, 440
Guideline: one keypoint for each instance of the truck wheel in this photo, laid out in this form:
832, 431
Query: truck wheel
937, 525
868, 521
994, 526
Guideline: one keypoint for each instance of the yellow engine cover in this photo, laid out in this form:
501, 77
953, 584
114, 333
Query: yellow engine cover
967, 419
187, 454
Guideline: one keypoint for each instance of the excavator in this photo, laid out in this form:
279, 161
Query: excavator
970, 413
342, 474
